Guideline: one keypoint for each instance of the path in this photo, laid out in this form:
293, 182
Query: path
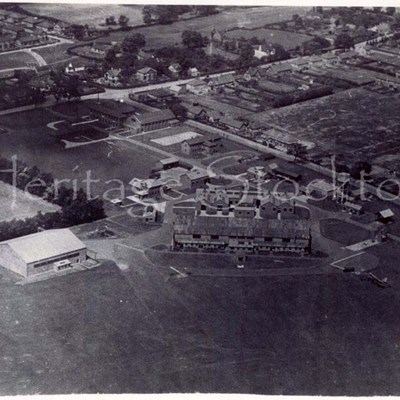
40, 60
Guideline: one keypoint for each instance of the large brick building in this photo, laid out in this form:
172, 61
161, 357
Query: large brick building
230, 221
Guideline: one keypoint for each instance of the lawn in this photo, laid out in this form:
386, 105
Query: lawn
56, 54
338, 124
230, 18
289, 40
343, 232
31, 142
17, 204
16, 60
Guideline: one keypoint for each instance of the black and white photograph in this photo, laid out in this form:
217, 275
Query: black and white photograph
199, 198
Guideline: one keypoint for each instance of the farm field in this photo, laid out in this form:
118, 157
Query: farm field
170, 35
144, 331
338, 124
16, 204
90, 14
289, 40
31, 142
16, 60
56, 54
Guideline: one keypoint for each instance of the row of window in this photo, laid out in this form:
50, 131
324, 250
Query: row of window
267, 239
42, 264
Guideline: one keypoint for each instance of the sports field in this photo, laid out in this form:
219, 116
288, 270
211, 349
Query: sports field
104, 160
17, 204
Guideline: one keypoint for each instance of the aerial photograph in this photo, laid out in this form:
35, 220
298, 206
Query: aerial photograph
199, 199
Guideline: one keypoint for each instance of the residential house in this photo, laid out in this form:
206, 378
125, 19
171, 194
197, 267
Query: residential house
176, 89
74, 68
222, 81
100, 47
202, 145
255, 73
32, 22
46, 26
233, 124
7, 42
279, 68
264, 50
15, 18
193, 72
197, 86
175, 68
112, 77
299, 64
28, 41
194, 179
146, 74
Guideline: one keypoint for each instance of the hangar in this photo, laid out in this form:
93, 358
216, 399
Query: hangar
51, 250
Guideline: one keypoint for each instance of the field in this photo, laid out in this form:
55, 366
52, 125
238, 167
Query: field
87, 13
289, 40
144, 331
169, 35
56, 54
20, 205
356, 123
31, 142
343, 232
16, 60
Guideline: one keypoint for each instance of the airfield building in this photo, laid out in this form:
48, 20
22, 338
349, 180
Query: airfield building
51, 250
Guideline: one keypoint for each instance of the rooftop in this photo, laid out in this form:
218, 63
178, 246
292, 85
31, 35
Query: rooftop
155, 116
44, 245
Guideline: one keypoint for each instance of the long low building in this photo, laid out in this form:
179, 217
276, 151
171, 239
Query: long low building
51, 250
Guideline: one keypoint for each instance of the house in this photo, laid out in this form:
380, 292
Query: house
299, 64
46, 26
144, 55
315, 61
146, 188
16, 30
7, 42
175, 68
278, 140
194, 179
255, 73
196, 112
112, 76
28, 41
197, 86
330, 59
322, 189
4, 14
221, 81
32, 22
202, 145
151, 121
111, 112
193, 72
50, 250
233, 124
42, 81
15, 18
146, 74
74, 68
168, 163
353, 208
264, 50
101, 47
60, 28
279, 68
176, 89
385, 216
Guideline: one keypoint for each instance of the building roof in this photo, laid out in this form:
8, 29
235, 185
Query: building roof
112, 107
46, 24
146, 70
195, 141
155, 116
323, 186
15, 15
196, 82
32, 20
388, 213
232, 122
114, 72
196, 173
354, 206
223, 80
43, 245
166, 161
226, 226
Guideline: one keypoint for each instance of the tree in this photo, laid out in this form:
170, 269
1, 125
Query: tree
147, 13
192, 39
123, 21
391, 10
111, 20
246, 55
206, 10
358, 167
344, 41
133, 43
109, 59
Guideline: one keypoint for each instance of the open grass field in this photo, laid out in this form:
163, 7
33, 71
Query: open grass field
56, 54
16, 204
31, 142
356, 123
16, 60
91, 14
142, 330
289, 40
232, 17
343, 232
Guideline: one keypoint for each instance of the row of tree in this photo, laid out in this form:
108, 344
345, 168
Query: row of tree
76, 208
